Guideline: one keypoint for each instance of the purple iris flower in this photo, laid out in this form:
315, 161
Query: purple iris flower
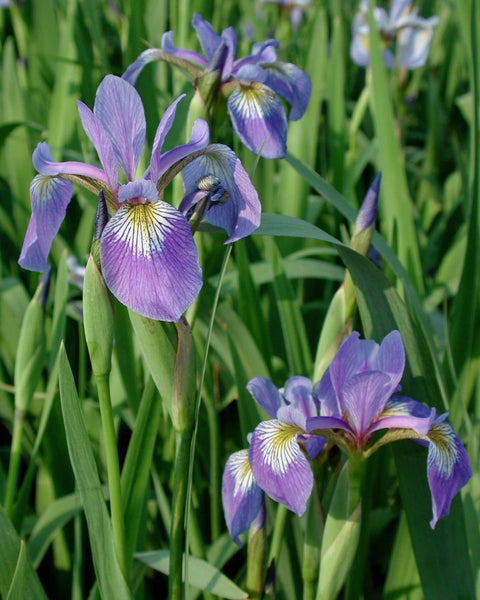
148, 257
253, 84
413, 34
277, 461
357, 397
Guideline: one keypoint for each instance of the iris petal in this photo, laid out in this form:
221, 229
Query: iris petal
240, 215
169, 48
413, 46
291, 83
97, 135
208, 38
147, 56
279, 465
266, 395
149, 260
241, 495
448, 468
120, 110
49, 197
198, 141
258, 119
43, 162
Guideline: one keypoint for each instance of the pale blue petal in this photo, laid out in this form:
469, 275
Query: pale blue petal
413, 46
292, 84
169, 48
266, 395
208, 38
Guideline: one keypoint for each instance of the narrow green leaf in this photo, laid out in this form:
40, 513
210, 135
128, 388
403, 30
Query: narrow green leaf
201, 574
15, 568
110, 579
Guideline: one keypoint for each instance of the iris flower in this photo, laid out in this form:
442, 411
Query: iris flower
295, 9
357, 397
148, 257
253, 85
413, 34
277, 461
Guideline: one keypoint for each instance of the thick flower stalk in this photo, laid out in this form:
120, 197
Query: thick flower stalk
148, 257
253, 85
412, 33
357, 397
277, 461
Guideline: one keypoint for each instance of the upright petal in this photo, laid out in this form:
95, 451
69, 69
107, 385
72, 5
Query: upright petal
291, 83
240, 214
397, 9
120, 110
262, 52
390, 358
98, 136
279, 465
198, 141
163, 128
241, 495
148, 256
208, 38
298, 392
49, 197
266, 395
258, 119
448, 468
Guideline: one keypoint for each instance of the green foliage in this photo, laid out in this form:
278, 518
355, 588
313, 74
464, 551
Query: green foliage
260, 313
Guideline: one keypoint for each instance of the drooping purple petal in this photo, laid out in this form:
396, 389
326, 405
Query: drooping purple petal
364, 397
97, 135
241, 495
198, 141
240, 214
163, 128
314, 444
279, 465
120, 110
169, 48
258, 119
148, 256
208, 38
448, 468
147, 56
266, 395
291, 83
49, 197
43, 162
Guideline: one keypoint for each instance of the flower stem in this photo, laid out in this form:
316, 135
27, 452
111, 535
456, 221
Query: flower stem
180, 486
113, 472
278, 531
15, 457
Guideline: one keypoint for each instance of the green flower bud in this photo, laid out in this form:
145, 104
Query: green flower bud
184, 380
97, 319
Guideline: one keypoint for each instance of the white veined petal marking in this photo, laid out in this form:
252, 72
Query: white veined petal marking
444, 452
144, 227
278, 444
251, 100
242, 472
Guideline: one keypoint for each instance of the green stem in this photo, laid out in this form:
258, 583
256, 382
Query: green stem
113, 472
180, 486
278, 531
15, 458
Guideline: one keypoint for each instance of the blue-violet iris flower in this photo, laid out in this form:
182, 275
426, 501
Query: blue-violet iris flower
253, 84
357, 397
413, 34
277, 461
148, 257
